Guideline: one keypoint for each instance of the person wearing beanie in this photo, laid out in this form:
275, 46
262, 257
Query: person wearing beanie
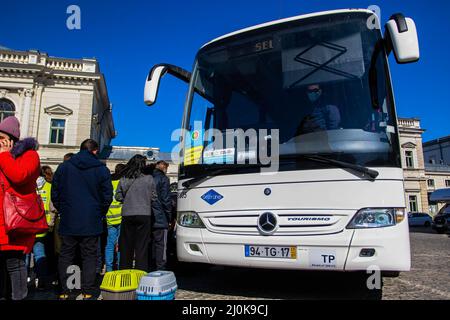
11, 127
19, 170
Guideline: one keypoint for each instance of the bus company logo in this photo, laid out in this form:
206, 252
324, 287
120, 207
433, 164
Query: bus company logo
212, 197
323, 219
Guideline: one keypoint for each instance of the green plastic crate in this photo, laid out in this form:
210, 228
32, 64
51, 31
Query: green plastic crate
121, 284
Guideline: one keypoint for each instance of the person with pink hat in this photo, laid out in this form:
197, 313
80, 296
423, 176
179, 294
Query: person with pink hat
19, 170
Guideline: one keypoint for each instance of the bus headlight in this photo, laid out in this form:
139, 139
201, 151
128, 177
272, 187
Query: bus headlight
376, 218
189, 219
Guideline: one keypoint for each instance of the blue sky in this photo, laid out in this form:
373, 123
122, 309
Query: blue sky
129, 37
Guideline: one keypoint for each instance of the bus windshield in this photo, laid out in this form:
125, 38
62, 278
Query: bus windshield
322, 83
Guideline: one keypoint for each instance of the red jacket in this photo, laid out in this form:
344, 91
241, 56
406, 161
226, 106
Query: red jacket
21, 167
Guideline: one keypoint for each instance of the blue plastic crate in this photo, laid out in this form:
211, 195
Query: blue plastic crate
158, 285
170, 296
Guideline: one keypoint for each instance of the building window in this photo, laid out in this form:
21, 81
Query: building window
57, 129
447, 183
7, 109
430, 183
409, 159
413, 204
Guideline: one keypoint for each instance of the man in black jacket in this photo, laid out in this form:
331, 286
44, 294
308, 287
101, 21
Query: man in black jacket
162, 211
81, 192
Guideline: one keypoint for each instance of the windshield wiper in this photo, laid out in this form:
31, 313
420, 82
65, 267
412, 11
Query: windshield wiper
341, 164
215, 170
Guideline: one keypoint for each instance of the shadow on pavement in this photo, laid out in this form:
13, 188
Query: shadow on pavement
53, 291
427, 230
214, 282
275, 284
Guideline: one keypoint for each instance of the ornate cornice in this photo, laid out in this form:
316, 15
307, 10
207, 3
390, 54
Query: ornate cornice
58, 109
409, 145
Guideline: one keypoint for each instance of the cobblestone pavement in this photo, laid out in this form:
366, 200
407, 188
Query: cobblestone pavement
430, 273
428, 279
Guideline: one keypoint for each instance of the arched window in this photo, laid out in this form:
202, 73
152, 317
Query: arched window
7, 109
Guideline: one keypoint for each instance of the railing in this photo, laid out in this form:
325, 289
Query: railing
11, 57
411, 123
24, 57
64, 65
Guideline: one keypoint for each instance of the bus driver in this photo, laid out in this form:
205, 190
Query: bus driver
323, 116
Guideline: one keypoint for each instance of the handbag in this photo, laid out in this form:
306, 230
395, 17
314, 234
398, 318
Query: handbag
23, 214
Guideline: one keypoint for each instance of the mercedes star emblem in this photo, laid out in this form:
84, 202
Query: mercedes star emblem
267, 223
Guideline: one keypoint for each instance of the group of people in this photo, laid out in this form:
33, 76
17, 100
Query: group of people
95, 218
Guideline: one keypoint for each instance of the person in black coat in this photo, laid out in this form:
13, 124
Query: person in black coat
162, 211
81, 192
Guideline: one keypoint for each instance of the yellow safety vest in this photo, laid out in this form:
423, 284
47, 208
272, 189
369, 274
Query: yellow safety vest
114, 215
45, 193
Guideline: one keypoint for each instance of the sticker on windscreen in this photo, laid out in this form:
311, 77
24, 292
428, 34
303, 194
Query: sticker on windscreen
242, 156
193, 147
192, 156
219, 156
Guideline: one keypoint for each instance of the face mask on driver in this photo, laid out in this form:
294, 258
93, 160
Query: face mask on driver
314, 96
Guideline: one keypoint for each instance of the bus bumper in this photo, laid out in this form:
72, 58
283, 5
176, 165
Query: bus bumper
334, 252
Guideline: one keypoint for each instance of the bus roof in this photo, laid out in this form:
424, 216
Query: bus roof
304, 16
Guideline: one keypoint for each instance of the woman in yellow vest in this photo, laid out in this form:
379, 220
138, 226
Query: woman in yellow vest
44, 187
113, 220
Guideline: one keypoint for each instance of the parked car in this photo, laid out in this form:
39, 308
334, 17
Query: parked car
441, 221
419, 219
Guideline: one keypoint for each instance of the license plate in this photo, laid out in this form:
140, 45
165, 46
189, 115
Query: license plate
270, 252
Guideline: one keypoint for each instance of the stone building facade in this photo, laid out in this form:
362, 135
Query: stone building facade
60, 101
413, 164
437, 151
422, 174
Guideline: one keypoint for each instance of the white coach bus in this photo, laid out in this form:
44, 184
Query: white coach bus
315, 93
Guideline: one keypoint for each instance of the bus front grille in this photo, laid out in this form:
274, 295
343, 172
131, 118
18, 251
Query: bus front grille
287, 223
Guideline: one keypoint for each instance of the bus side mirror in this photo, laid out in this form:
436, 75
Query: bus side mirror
154, 77
152, 84
401, 37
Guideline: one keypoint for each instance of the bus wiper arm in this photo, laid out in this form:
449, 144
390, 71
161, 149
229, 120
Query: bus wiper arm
218, 170
370, 172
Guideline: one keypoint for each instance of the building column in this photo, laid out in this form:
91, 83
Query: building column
34, 130
26, 110
424, 197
